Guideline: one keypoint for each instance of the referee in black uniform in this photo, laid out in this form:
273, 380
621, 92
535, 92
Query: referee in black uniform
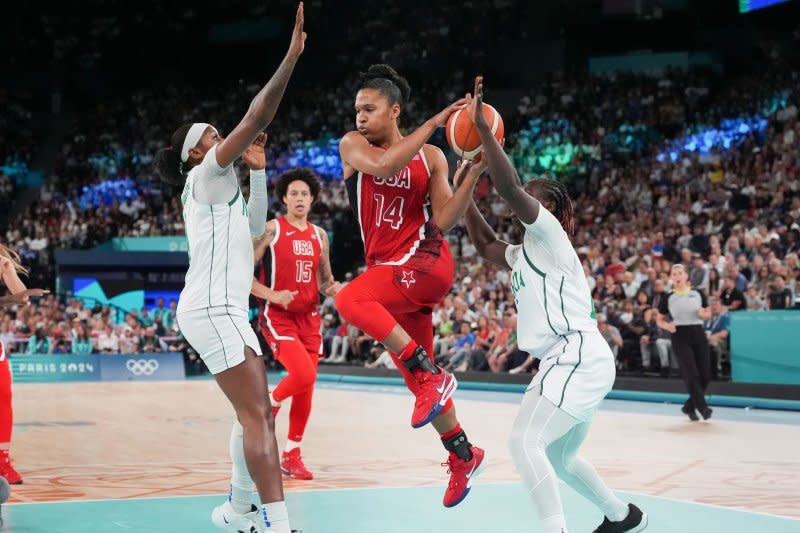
687, 308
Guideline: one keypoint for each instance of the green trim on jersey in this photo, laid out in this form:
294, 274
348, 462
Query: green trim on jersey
541, 383
544, 288
235, 197
228, 249
185, 194
580, 357
561, 295
563, 350
211, 265
528, 259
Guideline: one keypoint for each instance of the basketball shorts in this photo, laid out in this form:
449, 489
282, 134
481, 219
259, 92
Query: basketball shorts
219, 335
293, 327
577, 374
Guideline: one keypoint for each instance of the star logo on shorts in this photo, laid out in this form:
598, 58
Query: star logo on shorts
408, 278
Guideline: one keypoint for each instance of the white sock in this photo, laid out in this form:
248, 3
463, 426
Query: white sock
276, 517
240, 499
291, 445
616, 510
241, 484
554, 524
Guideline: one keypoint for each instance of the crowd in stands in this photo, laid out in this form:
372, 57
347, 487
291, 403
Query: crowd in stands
70, 326
17, 138
686, 167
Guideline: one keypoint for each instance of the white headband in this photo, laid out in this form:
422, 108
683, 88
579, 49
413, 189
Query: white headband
192, 138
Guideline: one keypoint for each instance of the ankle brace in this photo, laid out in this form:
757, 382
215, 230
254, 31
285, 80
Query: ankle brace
421, 360
459, 445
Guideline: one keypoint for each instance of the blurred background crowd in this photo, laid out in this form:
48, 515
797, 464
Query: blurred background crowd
697, 165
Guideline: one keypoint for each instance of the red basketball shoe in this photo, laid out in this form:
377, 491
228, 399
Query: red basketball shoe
432, 394
292, 465
461, 475
7, 469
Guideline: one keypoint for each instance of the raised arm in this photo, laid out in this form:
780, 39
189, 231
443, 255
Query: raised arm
359, 155
448, 207
265, 104
480, 232
503, 175
325, 281
256, 160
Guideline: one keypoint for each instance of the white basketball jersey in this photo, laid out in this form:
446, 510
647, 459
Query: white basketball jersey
220, 246
551, 293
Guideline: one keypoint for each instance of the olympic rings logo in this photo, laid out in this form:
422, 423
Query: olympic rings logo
142, 367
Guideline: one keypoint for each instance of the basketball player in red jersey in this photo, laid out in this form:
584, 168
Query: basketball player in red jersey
10, 268
399, 188
294, 268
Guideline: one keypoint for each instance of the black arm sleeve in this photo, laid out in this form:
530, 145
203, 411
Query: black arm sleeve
703, 298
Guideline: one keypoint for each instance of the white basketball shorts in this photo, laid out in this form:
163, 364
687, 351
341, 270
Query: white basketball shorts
577, 374
219, 335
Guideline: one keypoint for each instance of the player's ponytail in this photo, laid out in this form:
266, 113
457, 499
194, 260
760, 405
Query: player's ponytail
167, 161
386, 79
8, 253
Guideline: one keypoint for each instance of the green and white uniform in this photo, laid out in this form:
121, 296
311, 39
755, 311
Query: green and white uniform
556, 321
213, 307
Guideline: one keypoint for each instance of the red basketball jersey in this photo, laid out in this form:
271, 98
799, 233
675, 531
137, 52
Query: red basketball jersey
291, 263
394, 215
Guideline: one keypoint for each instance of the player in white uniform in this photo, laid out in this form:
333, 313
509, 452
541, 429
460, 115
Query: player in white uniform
556, 323
213, 308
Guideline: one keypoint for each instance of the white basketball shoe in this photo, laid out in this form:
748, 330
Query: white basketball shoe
225, 517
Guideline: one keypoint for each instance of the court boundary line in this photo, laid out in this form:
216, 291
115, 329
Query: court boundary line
401, 487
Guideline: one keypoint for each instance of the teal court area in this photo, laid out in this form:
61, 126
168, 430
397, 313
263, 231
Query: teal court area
753, 477
500, 508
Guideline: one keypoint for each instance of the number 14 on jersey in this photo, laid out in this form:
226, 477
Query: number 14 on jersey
392, 213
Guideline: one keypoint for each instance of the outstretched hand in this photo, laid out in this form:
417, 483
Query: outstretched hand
475, 102
23, 297
298, 43
469, 172
255, 156
440, 119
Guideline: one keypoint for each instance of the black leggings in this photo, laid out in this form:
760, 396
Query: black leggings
690, 346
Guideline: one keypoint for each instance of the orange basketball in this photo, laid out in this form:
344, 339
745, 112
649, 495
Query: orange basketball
462, 135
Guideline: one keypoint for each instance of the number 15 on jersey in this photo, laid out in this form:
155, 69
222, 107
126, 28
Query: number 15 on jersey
304, 271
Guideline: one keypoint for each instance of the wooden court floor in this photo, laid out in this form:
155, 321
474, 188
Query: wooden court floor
129, 440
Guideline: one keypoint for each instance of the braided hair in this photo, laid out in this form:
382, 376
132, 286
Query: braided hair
547, 190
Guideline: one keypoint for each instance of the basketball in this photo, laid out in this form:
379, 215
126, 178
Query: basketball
462, 135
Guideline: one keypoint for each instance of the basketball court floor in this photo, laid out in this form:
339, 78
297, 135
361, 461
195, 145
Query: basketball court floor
116, 457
